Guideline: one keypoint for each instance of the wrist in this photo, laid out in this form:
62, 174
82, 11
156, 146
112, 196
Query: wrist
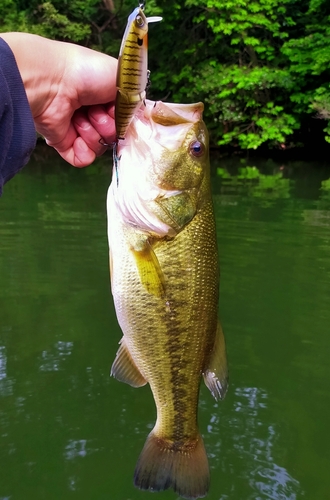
40, 71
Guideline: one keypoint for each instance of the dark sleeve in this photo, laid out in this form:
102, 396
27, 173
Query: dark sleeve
17, 131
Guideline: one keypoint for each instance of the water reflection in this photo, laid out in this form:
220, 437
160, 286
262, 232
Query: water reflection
6, 384
252, 439
3, 363
316, 218
75, 449
265, 189
53, 360
266, 476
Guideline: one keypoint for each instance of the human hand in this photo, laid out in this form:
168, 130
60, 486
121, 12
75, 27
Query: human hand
71, 92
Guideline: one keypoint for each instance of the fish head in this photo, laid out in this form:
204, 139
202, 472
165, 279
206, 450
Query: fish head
163, 161
182, 139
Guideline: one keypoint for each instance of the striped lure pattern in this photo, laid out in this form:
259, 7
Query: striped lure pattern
132, 74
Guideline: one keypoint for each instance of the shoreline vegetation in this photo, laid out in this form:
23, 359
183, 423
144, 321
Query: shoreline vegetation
267, 175
264, 180
261, 67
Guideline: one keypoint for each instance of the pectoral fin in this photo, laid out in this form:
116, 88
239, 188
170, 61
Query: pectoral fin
149, 269
216, 369
124, 369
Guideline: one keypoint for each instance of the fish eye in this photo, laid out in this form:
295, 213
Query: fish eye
196, 148
139, 21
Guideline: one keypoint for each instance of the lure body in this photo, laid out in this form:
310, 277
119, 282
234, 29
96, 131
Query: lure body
132, 74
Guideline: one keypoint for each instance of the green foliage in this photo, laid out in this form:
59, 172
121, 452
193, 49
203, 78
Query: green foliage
241, 102
11, 18
44, 19
262, 67
90, 22
56, 25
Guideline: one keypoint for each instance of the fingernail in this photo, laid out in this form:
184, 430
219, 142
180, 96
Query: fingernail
99, 116
82, 122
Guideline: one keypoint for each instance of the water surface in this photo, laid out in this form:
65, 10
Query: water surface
69, 431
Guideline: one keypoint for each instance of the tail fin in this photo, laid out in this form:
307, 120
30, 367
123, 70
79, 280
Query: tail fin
165, 464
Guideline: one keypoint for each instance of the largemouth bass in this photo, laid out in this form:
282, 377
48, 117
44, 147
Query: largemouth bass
165, 284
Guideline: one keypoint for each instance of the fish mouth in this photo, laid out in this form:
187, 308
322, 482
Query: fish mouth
170, 114
165, 125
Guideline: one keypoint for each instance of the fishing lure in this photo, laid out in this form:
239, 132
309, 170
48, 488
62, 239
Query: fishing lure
132, 73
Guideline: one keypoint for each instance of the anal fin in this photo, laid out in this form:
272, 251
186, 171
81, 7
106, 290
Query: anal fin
216, 370
124, 369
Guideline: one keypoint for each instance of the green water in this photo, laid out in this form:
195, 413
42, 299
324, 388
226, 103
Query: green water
68, 431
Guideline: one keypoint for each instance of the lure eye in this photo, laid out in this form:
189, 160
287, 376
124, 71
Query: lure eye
196, 148
139, 21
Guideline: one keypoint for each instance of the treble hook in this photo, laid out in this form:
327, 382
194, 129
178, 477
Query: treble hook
115, 157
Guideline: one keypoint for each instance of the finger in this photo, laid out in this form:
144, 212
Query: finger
87, 132
74, 148
79, 154
83, 154
61, 143
103, 123
110, 109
